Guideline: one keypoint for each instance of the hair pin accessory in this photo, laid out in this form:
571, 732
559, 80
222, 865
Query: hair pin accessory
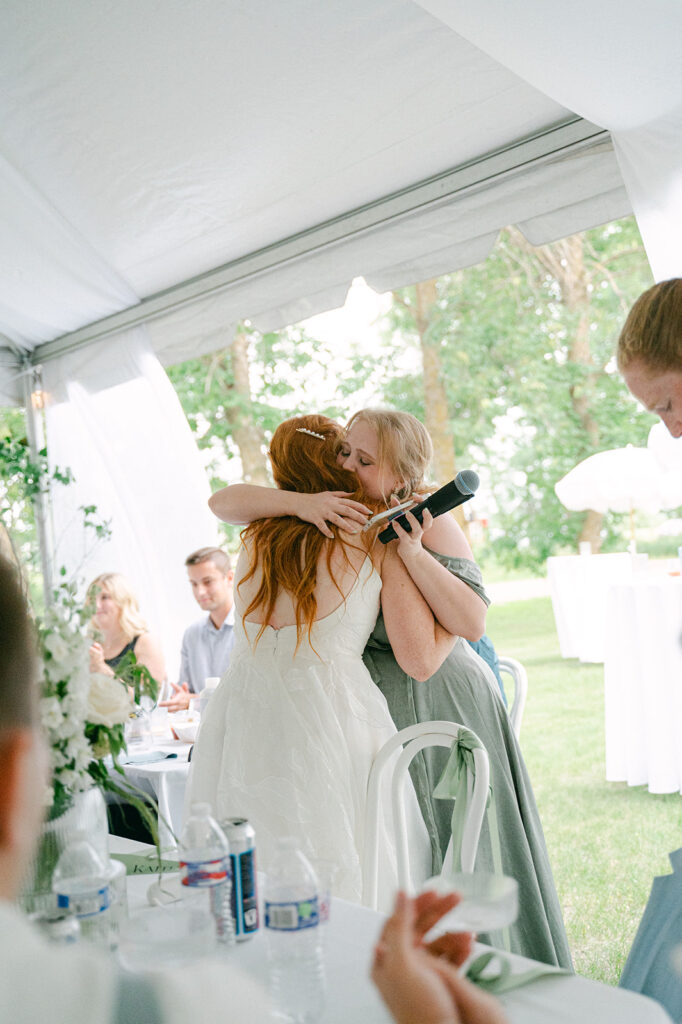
304, 430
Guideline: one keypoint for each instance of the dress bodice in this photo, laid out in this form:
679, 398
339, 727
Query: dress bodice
345, 630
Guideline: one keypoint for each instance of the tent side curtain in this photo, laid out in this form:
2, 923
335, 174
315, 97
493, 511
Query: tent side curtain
549, 198
122, 432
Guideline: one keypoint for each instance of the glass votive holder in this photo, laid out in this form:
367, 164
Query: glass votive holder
488, 902
168, 937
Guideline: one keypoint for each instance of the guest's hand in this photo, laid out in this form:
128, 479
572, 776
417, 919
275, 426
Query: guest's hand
419, 987
180, 699
430, 907
410, 544
97, 662
333, 508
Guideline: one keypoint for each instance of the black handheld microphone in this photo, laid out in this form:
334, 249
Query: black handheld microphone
450, 496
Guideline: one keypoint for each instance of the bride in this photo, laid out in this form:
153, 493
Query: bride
292, 730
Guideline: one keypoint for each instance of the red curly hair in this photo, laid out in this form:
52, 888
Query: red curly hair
288, 549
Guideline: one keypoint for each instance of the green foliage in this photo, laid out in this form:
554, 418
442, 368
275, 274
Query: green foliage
525, 344
280, 364
505, 333
138, 677
22, 479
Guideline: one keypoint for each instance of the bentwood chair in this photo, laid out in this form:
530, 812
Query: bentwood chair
519, 676
396, 761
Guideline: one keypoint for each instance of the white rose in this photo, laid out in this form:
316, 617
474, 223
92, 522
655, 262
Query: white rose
108, 701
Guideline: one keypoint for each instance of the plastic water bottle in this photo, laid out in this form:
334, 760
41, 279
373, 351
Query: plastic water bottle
81, 884
205, 868
293, 935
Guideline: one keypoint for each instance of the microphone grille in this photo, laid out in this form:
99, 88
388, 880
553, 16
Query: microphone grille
467, 481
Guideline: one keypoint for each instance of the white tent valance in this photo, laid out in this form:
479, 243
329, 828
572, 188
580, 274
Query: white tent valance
616, 63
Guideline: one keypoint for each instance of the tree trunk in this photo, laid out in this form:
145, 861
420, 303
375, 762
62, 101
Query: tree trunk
564, 260
591, 530
246, 433
436, 415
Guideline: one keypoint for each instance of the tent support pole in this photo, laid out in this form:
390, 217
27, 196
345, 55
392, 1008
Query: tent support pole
32, 384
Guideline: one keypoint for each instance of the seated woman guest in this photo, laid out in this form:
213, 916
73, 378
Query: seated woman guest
120, 628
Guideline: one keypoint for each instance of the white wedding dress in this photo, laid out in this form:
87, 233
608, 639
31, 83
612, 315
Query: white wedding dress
289, 737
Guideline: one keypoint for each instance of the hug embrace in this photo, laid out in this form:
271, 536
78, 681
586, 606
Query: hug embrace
340, 641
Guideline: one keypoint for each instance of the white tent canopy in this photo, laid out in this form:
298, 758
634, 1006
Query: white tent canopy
180, 166
200, 164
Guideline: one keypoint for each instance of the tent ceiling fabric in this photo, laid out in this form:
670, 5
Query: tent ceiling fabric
144, 145
616, 63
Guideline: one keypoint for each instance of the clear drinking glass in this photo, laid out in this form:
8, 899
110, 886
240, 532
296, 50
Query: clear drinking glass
166, 937
489, 902
138, 731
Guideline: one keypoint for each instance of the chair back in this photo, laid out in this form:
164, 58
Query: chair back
519, 675
391, 758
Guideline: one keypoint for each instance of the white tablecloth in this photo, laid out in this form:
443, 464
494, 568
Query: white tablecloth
166, 781
643, 684
351, 997
578, 585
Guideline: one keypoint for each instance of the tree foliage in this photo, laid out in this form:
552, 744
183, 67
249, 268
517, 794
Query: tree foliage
510, 363
526, 345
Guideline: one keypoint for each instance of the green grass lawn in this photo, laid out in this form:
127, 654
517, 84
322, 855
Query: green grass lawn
606, 841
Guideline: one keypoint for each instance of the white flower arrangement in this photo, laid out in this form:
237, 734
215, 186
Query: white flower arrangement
83, 715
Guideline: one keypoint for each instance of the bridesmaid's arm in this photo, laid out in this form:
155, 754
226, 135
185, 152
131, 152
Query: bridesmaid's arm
241, 504
419, 642
457, 607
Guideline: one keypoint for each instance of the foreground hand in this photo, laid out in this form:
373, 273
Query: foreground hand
335, 508
418, 987
180, 699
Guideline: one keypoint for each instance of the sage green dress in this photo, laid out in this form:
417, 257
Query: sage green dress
464, 690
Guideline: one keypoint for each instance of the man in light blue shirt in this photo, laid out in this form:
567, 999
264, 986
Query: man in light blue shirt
206, 644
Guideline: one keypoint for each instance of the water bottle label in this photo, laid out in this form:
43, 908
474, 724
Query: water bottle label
292, 916
204, 873
85, 904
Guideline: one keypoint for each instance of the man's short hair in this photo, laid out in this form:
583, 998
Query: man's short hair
18, 689
215, 555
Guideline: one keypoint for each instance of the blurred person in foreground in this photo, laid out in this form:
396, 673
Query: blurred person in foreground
206, 644
649, 352
79, 984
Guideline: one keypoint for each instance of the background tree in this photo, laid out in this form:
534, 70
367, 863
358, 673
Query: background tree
522, 346
509, 363
234, 398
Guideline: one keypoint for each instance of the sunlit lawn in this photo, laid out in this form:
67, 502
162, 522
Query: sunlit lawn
606, 841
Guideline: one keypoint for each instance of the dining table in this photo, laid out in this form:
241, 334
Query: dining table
643, 683
160, 768
578, 586
351, 933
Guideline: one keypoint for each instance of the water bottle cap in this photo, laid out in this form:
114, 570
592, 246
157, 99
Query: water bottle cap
201, 809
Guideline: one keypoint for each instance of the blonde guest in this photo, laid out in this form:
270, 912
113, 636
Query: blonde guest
120, 628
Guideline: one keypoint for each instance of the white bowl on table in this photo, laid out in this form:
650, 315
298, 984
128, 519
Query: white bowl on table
186, 728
